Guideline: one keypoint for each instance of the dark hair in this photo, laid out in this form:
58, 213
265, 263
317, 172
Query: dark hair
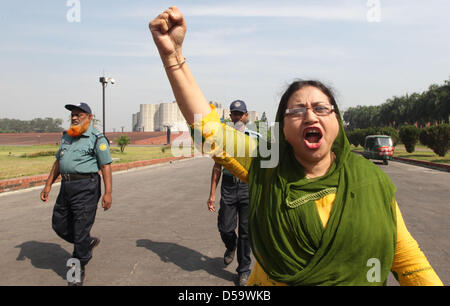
299, 84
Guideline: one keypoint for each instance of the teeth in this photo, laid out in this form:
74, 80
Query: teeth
313, 131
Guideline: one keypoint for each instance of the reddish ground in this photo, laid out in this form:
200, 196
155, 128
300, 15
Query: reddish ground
137, 138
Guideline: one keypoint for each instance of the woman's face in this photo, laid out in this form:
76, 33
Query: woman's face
310, 135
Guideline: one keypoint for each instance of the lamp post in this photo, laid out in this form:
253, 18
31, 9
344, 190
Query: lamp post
105, 81
168, 126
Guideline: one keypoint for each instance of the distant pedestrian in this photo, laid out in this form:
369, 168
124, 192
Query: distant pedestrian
83, 152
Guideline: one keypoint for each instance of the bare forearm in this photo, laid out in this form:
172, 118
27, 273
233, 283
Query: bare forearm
168, 30
188, 94
107, 178
215, 177
54, 173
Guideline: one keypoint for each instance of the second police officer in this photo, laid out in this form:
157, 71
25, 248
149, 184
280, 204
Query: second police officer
234, 203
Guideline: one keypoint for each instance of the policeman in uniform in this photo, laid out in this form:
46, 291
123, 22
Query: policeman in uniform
83, 152
234, 203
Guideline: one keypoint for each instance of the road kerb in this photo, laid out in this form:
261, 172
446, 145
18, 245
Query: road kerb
26, 182
421, 163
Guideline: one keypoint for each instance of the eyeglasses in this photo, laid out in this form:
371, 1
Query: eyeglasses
319, 110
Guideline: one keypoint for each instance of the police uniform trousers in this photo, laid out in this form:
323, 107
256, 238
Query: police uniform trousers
74, 213
234, 209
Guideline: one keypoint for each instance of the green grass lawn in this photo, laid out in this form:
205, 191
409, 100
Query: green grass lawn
421, 153
18, 161
139, 153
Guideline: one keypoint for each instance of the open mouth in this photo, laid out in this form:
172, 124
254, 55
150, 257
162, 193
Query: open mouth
312, 137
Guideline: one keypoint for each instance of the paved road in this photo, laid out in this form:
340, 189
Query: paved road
159, 232
423, 196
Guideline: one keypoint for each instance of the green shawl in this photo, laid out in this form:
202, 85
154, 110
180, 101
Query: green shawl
287, 235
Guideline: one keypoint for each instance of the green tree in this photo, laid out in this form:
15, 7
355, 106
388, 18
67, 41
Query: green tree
35, 125
431, 106
409, 134
263, 117
437, 138
123, 141
356, 137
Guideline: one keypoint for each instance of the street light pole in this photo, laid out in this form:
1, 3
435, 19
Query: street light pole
168, 126
103, 121
105, 81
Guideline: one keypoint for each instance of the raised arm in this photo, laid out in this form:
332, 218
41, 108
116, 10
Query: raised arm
168, 31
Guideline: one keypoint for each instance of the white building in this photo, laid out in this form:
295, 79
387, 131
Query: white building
156, 117
253, 116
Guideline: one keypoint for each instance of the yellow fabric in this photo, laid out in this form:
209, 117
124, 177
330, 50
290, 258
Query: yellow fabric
410, 264
232, 149
324, 206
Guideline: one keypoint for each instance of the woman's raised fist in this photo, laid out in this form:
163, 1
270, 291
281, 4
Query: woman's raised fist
168, 31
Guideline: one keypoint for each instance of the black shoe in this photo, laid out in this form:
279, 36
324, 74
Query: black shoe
228, 256
243, 278
94, 242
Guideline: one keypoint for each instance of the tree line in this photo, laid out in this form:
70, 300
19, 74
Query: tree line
430, 107
39, 125
436, 137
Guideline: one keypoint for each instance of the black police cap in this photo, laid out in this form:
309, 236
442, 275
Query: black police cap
82, 106
238, 106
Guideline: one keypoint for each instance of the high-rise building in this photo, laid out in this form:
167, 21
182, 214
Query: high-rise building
157, 117
253, 116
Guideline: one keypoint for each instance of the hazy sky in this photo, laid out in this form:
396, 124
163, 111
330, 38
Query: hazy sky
367, 50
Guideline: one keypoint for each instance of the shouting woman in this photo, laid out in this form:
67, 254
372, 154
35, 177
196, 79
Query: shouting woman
322, 215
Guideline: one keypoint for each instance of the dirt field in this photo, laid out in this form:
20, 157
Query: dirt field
137, 138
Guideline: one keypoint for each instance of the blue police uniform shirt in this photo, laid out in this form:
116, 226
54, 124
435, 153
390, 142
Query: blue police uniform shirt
78, 155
